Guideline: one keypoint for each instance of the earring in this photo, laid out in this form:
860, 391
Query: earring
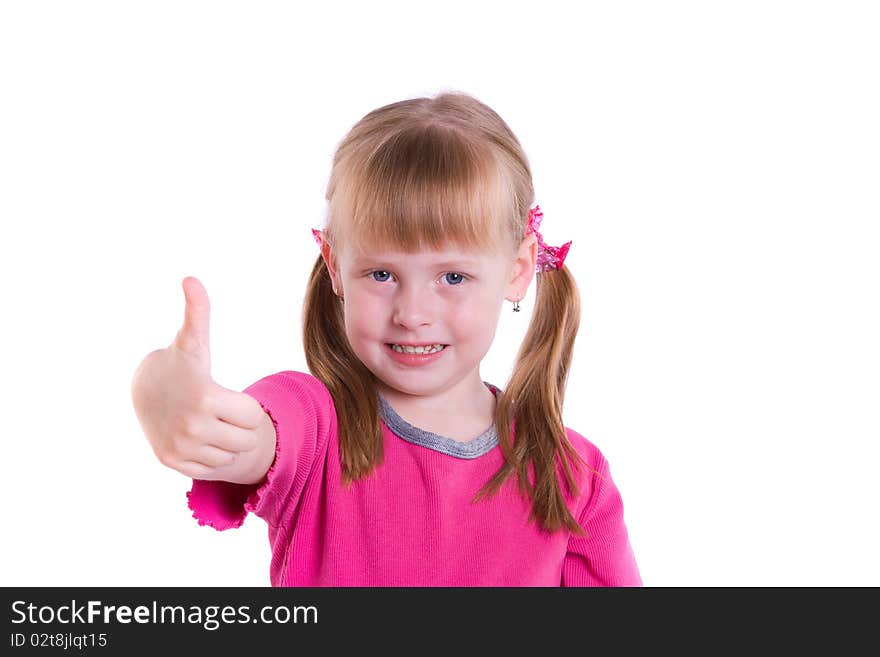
516, 306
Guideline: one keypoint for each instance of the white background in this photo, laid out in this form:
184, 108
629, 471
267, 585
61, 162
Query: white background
715, 164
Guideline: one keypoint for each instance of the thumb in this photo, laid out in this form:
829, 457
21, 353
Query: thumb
193, 336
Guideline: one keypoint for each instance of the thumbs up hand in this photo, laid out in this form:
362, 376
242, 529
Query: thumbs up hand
194, 425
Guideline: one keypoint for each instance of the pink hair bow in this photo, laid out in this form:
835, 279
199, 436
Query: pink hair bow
549, 257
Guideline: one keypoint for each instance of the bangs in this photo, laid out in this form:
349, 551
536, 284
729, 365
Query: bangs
427, 188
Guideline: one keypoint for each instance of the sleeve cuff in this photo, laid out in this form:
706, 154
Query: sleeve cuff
225, 505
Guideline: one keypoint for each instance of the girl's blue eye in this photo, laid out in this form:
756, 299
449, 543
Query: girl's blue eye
457, 281
379, 271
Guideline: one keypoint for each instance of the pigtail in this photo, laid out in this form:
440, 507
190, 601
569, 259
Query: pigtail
352, 386
532, 401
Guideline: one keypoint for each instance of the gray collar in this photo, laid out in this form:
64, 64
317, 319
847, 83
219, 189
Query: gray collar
470, 449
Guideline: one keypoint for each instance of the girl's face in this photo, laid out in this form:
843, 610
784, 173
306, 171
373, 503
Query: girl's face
449, 297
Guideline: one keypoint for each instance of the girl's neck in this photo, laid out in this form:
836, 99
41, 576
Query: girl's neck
462, 413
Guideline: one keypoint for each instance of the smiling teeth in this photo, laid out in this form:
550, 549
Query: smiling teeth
417, 350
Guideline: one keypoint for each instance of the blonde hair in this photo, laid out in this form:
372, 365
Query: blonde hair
425, 173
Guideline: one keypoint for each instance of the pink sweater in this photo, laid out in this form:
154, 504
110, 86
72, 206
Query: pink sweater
411, 522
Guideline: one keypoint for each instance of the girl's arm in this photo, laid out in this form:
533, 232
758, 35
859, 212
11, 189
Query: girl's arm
604, 557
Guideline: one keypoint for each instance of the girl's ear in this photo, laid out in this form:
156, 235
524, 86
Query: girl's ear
332, 264
523, 268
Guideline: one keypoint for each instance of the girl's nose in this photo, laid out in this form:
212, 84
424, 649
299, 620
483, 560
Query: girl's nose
414, 307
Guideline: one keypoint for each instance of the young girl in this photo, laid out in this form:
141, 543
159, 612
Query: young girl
394, 463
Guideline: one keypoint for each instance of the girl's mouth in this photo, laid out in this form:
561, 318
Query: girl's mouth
427, 355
